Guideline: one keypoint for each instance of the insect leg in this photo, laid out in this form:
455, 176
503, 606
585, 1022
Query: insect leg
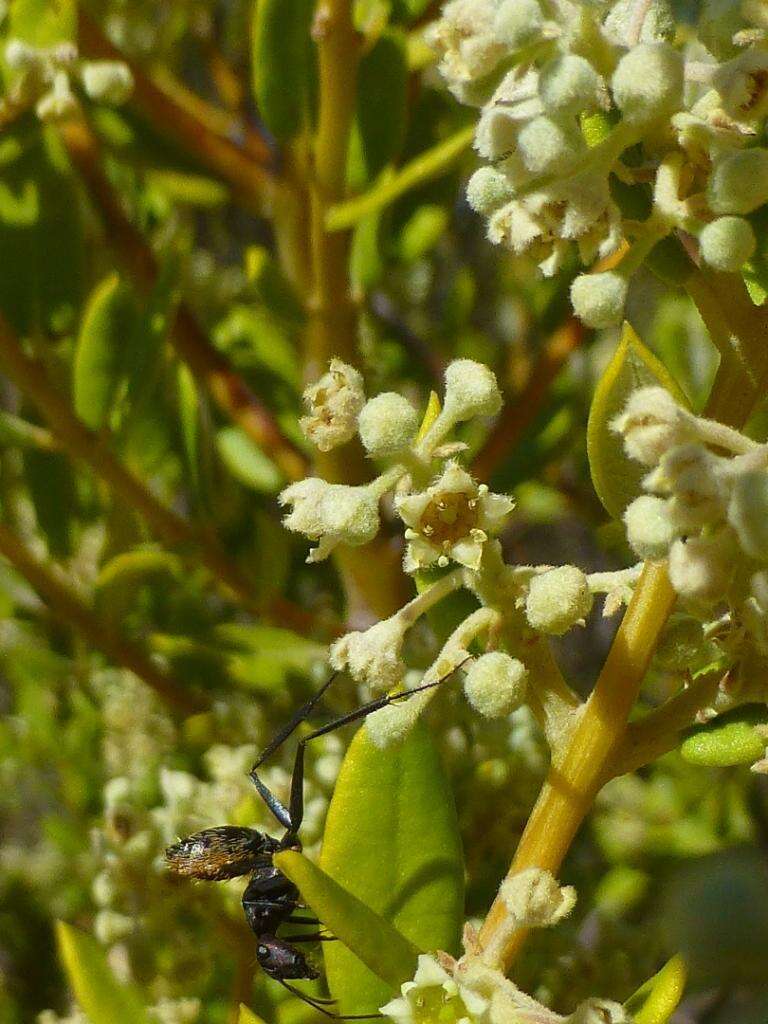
320, 1004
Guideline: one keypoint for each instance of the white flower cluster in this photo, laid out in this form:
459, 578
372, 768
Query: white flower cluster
473, 991
706, 510
568, 87
451, 527
44, 77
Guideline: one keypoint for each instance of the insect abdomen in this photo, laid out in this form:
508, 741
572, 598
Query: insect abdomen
216, 854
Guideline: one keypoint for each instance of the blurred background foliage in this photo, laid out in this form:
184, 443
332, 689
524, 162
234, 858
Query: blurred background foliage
155, 632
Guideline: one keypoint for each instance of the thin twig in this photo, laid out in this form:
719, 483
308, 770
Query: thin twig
50, 584
226, 386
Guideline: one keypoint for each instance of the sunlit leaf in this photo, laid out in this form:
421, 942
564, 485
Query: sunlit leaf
422, 232
377, 943
101, 996
379, 128
616, 477
247, 462
105, 334
656, 1000
391, 839
248, 1016
729, 739
281, 62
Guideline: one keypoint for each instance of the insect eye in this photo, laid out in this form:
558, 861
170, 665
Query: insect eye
262, 950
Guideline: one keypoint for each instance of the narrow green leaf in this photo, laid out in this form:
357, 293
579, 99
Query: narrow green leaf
16, 431
281, 56
133, 566
42, 23
101, 996
51, 484
656, 1000
379, 128
366, 259
189, 420
247, 462
422, 231
99, 359
423, 168
377, 943
616, 477
248, 1016
392, 840
729, 739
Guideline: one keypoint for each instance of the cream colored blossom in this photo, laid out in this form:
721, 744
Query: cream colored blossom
331, 514
373, 656
451, 520
334, 403
434, 995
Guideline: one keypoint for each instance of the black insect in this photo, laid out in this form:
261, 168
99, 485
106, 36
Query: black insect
270, 899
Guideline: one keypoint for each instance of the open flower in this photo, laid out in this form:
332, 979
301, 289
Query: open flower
434, 995
334, 402
451, 520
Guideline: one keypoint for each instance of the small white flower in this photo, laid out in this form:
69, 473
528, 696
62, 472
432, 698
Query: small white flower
694, 477
467, 45
649, 529
59, 102
652, 423
599, 1011
739, 182
373, 656
557, 600
569, 85
487, 190
647, 84
727, 243
700, 568
110, 927
107, 81
496, 684
451, 520
334, 403
599, 299
547, 145
434, 995
387, 424
535, 899
331, 514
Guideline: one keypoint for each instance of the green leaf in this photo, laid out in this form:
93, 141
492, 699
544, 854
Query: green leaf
51, 484
380, 946
105, 332
656, 1000
17, 431
423, 168
422, 231
727, 740
189, 421
281, 55
103, 999
247, 462
41, 22
392, 840
378, 131
616, 477
248, 1016
366, 259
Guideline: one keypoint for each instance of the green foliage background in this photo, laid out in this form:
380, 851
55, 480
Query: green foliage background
97, 773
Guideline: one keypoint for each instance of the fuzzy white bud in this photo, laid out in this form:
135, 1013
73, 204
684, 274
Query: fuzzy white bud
331, 514
727, 243
334, 403
518, 23
107, 81
547, 146
387, 424
487, 190
373, 656
557, 600
652, 423
692, 474
496, 684
739, 182
649, 530
648, 82
535, 899
599, 299
700, 568
569, 85
748, 513
470, 390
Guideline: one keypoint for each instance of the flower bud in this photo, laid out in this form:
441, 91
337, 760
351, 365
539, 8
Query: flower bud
700, 568
599, 299
331, 514
535, 899
518, 23
470, 390
727, 243
58, 103
387, 424
487, 190
694, 477
496, 684
570, 85
547, 146
20, 56
557, 600
107, 81
652, 423
373, 656
334, 403
739, 182
648, 82
649, 529
110, 927
748, 512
